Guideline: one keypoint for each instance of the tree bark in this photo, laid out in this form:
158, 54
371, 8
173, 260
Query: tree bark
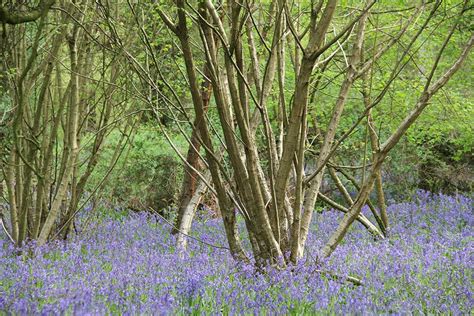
191, 182
71, 148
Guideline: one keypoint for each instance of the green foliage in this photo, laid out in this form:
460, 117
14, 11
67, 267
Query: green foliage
149, 175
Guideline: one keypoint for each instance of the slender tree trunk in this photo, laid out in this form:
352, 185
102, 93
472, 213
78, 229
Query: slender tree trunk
374, 143
71, 145
224, 202
190, 211
330, 134
190, 181
12, 200
422, 103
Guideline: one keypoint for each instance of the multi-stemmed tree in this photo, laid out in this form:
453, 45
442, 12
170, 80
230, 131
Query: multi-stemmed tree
262, 175
61, 83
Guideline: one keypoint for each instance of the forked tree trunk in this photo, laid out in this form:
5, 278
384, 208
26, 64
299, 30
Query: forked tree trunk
271, 205
181, 31
422, 103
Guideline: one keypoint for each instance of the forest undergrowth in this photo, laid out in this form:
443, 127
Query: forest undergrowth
122, 263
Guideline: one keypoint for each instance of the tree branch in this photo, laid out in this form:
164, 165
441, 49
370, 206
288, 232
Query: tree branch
17, 17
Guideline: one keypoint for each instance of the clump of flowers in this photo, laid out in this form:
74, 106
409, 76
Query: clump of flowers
128, 264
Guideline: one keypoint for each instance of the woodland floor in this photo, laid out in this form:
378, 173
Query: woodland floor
123, 263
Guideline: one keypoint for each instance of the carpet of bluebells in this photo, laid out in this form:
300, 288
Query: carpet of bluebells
127, 264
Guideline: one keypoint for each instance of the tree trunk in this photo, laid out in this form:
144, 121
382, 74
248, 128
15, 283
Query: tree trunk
190, 181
